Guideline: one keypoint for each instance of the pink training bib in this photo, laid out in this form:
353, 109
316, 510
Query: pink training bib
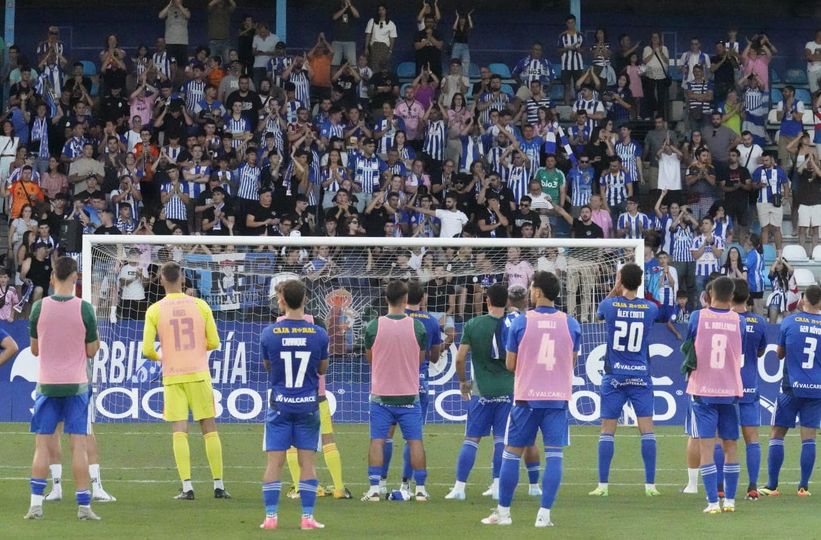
718, 355
544, 364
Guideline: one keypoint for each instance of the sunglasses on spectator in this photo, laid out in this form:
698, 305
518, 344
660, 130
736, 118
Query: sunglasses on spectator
584, 161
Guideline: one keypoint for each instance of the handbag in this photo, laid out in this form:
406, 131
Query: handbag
667, 81
777, 200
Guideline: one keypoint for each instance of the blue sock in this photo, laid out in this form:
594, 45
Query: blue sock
508, 478
731, 473
648, 455
270, 496
498, 450
552, 476
307, 494
374, 475
753, 462
710, 480
387, 454
38, 485
407, 470
807, 461
532, 472
420, 476
718, 458
467, 457
83, 497
607, 446
775, 458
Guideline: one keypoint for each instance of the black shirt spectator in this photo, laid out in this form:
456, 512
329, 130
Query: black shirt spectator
586, 230
428, 45
385, 89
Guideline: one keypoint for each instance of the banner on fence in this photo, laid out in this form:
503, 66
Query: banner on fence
128, 387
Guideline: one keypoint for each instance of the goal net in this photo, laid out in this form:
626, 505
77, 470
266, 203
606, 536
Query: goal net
345, 279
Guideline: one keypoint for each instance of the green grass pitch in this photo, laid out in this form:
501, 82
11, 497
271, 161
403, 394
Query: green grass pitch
138, 468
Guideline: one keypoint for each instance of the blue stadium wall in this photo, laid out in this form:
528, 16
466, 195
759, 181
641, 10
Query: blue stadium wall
504, 28
128, 387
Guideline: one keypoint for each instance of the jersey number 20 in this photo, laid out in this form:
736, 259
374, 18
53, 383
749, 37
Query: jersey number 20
634, 332
303, 357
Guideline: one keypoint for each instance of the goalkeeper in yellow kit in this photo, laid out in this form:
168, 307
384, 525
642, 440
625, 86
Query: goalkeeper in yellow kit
187, 332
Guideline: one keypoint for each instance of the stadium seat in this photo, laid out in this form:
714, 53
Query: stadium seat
803, 95
89, 68
775, 96
406, 70
473, 71
507, 89
556, 92
816, 253
775, 78
557, 70
794, 253
500, 69
769, 254
804, 277
796, 77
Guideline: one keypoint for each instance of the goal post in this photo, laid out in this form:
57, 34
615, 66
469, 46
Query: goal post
345, 278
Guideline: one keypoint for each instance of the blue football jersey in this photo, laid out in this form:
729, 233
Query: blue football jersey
755, 341
628, 324
799, 337
434, 335
294, 350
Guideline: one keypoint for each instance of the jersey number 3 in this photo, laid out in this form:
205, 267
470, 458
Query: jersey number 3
811, 346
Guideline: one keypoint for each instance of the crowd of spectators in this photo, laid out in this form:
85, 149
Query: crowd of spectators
246, 136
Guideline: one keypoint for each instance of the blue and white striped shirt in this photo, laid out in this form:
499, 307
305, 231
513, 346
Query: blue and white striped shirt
533, 69
291, 108
581, 185
390, 126
615, 187
571, 60
634, 225
248, 178
175, 208
39, 132
592, 107
366, 173
682, 242
517, 179
162, 61
434, 144
194, 91
236, 127
630, 155
708, 262
722, 227
330, 130
772, 181
663, 227
327, 174
472, 150
303, 85
497, 103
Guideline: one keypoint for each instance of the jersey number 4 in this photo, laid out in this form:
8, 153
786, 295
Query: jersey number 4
634, 332
287, 357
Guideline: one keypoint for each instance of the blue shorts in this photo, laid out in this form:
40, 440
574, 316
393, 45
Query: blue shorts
524, 422
615, 395
284, 430
409, 418
787, 407
485, 414
50, 411
711, 418
749, 414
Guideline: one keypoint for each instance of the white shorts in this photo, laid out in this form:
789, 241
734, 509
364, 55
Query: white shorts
809, 216
769, 214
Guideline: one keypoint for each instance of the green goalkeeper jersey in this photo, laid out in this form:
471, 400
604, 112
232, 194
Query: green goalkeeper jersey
491, 377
